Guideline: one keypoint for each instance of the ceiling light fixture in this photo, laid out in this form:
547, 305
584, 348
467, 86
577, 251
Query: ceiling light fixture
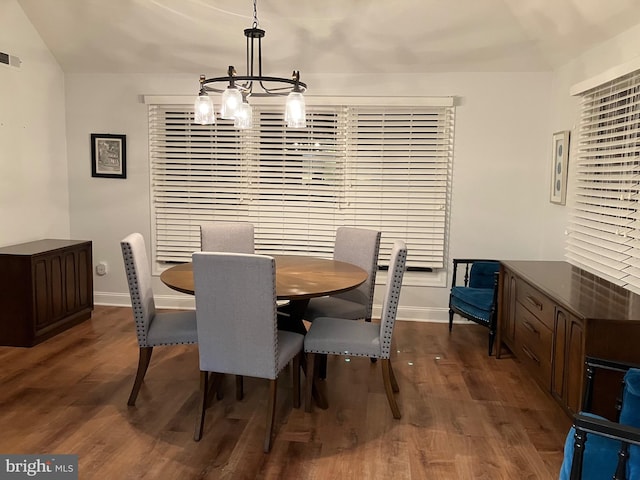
235, 105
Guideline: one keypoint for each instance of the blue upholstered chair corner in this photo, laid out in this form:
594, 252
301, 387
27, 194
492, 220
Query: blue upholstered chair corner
630, 413
601, 453
474, 293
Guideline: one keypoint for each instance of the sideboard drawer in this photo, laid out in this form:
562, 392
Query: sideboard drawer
534, 340
537, 303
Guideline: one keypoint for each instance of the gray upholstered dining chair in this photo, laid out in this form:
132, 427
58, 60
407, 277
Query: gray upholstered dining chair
236, 237
153, 328
336, 336
358, 246
237, 328
227, 237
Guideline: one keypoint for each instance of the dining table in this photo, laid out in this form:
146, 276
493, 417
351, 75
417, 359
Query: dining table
299, 278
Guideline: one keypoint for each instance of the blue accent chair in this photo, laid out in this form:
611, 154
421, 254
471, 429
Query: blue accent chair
474, 293
597, 448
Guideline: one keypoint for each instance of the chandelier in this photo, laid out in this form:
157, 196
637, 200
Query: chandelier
235, 97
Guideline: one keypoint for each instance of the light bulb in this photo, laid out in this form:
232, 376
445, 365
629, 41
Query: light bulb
295, 111
203, 107
244, 117
231, 101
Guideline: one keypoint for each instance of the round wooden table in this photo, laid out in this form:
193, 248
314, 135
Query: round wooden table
298, 277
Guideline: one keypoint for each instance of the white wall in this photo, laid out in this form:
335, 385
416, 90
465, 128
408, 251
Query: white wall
34, 199
500, 202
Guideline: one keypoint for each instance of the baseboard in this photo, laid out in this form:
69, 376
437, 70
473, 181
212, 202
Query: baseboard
182, 302
417, 314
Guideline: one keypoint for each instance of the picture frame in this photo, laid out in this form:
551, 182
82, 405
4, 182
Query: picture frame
559, 167
108, 155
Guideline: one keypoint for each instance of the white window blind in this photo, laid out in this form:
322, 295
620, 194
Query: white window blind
605, 229
384, 168
398, 167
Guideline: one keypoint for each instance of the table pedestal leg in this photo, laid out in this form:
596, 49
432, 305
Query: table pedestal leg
290, 316
290, 319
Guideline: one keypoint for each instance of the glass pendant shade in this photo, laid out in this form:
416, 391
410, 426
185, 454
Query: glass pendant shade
244, 117
295, 114
203, 107
231, 101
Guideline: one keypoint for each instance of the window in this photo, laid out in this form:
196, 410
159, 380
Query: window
605, 229
379, 167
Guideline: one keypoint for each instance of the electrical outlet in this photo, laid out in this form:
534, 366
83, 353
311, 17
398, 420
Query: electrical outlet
101, 268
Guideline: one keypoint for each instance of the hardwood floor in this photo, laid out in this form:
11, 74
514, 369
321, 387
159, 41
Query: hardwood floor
464, 415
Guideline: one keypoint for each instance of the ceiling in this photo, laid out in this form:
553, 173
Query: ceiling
325, 36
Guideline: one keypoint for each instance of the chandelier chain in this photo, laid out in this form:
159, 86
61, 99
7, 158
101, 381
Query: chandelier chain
255, 13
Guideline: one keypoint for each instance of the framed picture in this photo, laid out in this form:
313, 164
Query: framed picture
559, 165
108, 155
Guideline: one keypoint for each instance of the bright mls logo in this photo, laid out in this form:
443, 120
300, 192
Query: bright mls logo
51, 467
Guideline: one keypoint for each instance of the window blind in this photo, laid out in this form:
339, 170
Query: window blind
398, 168
605, 232
383, 168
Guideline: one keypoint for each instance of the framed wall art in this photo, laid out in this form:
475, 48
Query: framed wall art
559, 165
108, 155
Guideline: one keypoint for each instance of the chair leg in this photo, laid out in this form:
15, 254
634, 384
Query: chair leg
310, 374
271, 412
322, 366
239, 387
295, 364
450, 320
210, 383
204, 394
386, 378
492, 336
143, 363
392, 377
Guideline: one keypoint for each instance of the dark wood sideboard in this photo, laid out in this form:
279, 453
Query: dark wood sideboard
552, 314
46, 286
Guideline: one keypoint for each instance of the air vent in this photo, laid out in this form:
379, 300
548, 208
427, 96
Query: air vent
10, 60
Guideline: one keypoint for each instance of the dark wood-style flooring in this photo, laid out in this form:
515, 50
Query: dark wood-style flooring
464, 415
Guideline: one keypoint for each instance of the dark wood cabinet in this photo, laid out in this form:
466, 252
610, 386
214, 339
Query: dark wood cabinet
46, 286
568, 360
553, 314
